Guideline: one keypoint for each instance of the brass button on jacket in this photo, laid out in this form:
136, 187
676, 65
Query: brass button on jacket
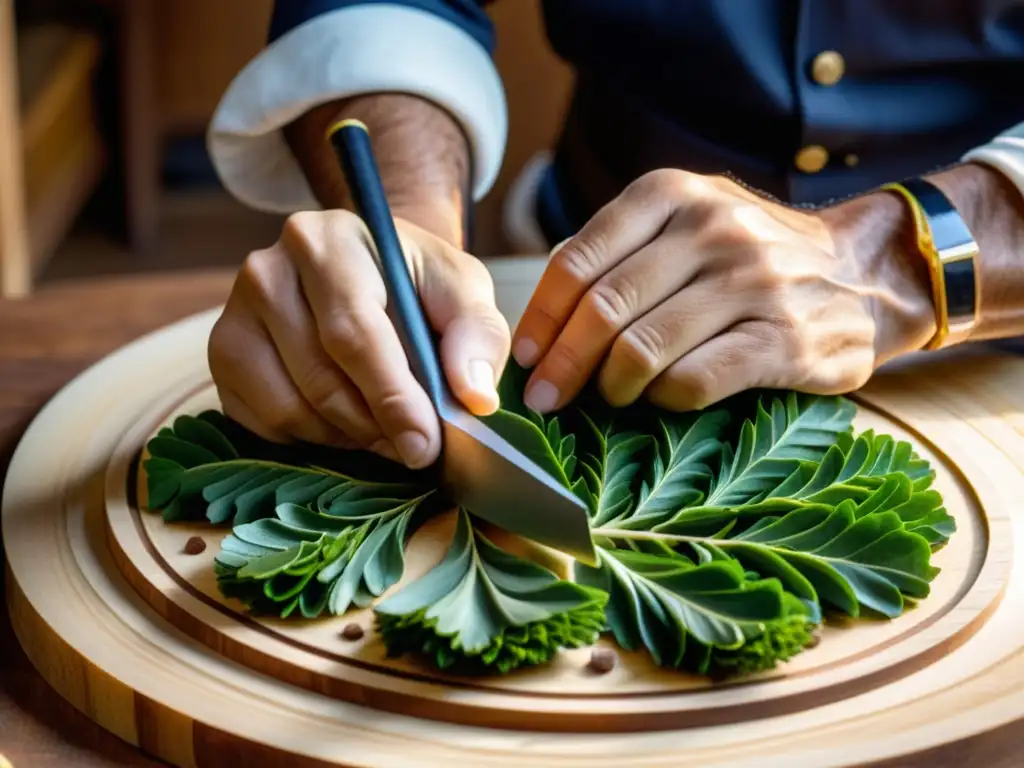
812, 159
828, 68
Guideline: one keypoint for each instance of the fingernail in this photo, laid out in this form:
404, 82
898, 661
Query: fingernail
481, 376
412, 447
541, 396
525, 352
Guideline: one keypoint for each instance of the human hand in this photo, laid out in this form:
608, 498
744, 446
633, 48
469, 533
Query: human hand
304, 348
686, 289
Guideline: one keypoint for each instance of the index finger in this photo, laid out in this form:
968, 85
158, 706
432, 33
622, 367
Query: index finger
621, 227
348, 299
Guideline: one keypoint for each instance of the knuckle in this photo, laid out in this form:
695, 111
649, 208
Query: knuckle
563, 359
220, 335
643, 347
301, 224
319, 384
394, 410
668, 182
580, 259
258, 275
347, 335
493, 326
285, 416
758, 270
699, 386
225, 351
655, 183
734, 226
612, 301
302, 235
798, 349
289, 421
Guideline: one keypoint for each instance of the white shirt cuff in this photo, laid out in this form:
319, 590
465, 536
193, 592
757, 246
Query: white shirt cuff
1005, 153
354, 50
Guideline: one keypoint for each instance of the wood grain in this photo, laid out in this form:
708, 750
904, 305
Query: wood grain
132, 671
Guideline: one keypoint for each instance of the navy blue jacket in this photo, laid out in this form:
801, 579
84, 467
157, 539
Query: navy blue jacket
725, 86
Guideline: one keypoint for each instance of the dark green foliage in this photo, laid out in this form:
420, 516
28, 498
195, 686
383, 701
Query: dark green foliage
483, 609
723, 536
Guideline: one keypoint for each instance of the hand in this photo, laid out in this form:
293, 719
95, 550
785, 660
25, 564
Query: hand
304, 348
687, 289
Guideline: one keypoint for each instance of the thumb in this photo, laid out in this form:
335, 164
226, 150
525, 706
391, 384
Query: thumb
457, 292
474, 349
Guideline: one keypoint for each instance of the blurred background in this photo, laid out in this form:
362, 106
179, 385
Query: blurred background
103, 111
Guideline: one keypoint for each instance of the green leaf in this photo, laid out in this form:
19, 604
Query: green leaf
609, 467
482, 608
849, 561
778, 642
796, 429
306, 559
194, 471
679, 470
531, 440
663, 602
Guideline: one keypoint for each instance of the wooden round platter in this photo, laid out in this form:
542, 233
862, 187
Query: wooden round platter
134, 632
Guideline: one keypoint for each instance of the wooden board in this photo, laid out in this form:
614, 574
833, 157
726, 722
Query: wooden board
134, 632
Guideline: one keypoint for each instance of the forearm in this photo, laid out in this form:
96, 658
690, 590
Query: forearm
422, 153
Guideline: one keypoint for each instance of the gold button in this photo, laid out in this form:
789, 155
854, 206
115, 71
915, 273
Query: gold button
851, 160
812, 159
828, 68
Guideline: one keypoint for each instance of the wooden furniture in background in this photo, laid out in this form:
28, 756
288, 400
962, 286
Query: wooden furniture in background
15, 248
63, 153
200, 47
141, 136
52, 154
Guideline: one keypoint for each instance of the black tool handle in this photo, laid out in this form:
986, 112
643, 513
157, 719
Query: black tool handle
351, 142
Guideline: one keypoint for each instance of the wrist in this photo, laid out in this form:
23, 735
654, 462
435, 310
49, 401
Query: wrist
422, 155
441, 218
875, 236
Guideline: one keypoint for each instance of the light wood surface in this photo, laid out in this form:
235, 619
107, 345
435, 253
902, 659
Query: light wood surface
102, 644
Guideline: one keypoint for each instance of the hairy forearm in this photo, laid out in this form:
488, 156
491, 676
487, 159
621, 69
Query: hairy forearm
421, 150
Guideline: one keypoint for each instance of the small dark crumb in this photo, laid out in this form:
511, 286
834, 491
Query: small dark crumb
813, 642
352, 631
602, 660
195, 545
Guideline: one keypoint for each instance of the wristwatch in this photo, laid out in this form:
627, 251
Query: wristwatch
949, 248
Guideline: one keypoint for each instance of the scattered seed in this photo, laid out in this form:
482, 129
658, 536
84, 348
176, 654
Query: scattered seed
602, 660
352, 631
195, 545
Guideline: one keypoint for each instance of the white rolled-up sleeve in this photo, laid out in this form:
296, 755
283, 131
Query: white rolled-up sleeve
354, 50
